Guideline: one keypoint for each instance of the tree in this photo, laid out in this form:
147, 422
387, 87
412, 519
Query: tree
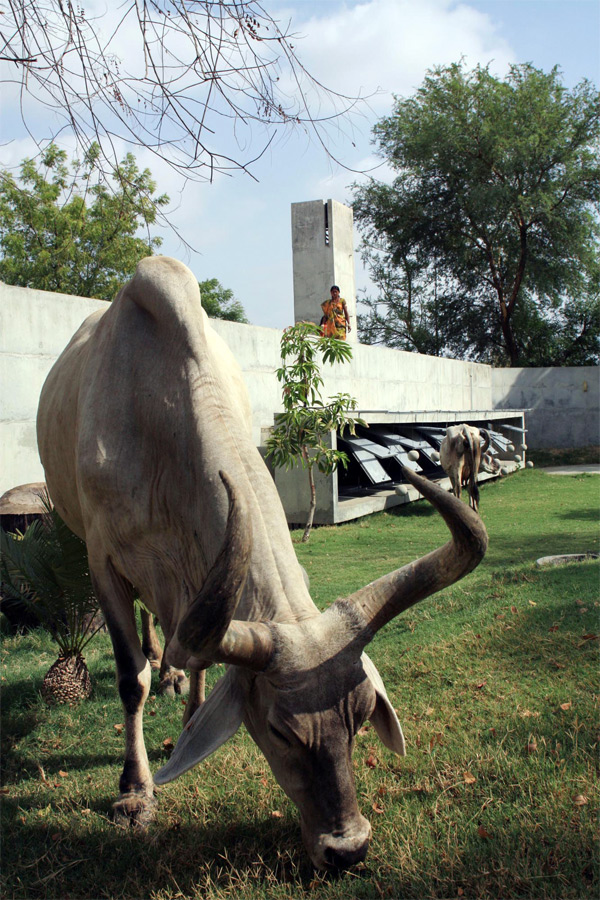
486, 243
299, 435
220, 303
187, 79
69, 231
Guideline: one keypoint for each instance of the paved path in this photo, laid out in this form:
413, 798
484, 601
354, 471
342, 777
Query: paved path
572, 470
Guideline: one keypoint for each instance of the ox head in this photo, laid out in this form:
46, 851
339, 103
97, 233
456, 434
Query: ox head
304, 689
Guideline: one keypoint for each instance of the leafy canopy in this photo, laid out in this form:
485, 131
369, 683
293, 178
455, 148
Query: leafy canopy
220, 303
485, 245
69, 230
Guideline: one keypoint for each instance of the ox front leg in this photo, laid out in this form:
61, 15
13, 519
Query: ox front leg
172, 681
136, 803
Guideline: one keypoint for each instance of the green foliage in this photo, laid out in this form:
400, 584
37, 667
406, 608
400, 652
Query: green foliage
299, 435
220, 303
486, 243
46, 569
477, 673
69, 230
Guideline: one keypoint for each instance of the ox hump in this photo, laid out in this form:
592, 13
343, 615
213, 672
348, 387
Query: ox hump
165, 288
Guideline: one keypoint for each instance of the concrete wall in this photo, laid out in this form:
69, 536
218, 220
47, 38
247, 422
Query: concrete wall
562, 403
37, 325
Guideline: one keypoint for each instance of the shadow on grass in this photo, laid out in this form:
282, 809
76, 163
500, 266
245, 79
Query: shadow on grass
227, 859
182, 856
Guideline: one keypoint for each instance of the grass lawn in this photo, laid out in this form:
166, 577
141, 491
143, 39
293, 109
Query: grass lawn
496, 684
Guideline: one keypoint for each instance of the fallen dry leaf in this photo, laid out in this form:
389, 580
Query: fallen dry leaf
264, 782
371, 761
566, 706
481, 685
63, 774
532, 603
483, 833
532, 747
377, 808
118, 728
469, 778
513, 609
85, 812
168, 743
363, 730
277, 814
580, 800
429, 711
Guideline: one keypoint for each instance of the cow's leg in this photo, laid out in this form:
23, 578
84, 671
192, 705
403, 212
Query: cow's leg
172, 681
136, 802
150, 644
197, 694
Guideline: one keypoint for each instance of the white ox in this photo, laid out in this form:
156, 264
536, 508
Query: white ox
139, 421
460, 457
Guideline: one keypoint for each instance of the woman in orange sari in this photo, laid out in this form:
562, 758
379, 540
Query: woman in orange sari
335, 321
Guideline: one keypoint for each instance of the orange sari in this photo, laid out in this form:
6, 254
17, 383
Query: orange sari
335, 320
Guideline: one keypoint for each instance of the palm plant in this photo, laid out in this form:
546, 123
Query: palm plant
46, 569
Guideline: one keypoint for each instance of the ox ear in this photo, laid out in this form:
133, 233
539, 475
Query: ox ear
384, 718
212, 724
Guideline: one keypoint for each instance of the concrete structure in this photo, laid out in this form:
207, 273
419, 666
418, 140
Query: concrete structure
323, 254
562, 403
35, 327
390, 386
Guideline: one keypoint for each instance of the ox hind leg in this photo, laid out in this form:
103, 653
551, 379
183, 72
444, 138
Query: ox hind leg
171, 681
196, 696
136, 802
150, 644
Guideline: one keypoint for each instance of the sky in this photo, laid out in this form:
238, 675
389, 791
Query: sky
240, 227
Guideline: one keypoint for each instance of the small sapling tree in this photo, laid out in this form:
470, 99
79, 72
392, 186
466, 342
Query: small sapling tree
299, 435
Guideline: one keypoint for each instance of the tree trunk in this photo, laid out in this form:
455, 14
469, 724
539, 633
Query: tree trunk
313, 499
509, 340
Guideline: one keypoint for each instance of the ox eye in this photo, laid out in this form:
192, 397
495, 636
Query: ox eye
277, 734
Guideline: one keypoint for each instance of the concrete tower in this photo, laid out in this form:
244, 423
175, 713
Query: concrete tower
323, 254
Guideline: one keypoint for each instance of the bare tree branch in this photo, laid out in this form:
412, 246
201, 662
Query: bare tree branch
187, 79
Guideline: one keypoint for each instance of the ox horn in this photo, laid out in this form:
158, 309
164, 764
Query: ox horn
382, 600
208, 629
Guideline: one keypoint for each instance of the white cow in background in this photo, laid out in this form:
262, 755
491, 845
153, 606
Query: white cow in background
460, 457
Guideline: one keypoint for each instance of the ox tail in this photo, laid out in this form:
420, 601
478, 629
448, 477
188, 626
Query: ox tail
486, 440
472, 457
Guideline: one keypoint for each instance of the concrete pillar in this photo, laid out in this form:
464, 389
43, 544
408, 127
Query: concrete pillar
323, 254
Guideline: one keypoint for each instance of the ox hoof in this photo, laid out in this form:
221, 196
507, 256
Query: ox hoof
134, 809
173, 683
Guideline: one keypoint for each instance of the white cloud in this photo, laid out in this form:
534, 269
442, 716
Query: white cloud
389, 44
